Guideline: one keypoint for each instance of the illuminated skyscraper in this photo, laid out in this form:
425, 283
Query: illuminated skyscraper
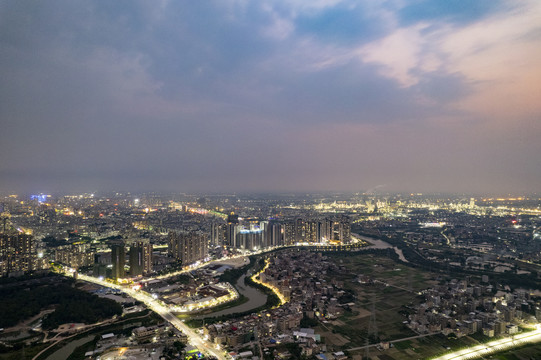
140, 258
232, 218
289, 232
74, 256
340, 229
17, 254
118, 259
188, 247
232, 228
274, 234
217, 234
250, 239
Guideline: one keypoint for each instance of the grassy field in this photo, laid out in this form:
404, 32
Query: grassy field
392, 296
351, 329
385, 269
26, 353
532, 351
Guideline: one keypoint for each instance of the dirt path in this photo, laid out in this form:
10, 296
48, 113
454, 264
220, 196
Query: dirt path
24, 325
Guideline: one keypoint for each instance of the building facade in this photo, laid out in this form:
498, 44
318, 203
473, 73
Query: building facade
17, 254
188, 247
118, 260
140, 258
75, 256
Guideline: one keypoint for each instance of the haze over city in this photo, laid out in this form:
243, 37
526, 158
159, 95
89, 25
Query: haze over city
270, 96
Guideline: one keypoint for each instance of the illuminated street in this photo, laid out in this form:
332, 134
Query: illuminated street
194, 338
274, 289
494, 346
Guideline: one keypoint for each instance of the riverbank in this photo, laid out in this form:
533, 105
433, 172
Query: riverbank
255, 298
380, 244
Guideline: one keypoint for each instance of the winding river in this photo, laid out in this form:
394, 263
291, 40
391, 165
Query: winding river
380, 244
65, 351
255, 299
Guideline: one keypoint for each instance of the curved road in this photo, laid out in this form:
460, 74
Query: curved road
194, 338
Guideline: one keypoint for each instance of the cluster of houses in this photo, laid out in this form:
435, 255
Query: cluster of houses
462, 308
300, 276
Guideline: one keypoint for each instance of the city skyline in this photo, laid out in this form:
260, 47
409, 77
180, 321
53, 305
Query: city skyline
270, 96
226, 277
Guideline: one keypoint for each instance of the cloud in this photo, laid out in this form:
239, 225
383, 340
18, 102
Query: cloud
495, 59
399, 54
500, 55
270, 95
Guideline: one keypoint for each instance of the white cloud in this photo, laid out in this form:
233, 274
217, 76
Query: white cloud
398, 54
280, 28
498, 56
501, 56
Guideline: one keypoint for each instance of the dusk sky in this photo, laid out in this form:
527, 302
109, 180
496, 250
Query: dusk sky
289, 95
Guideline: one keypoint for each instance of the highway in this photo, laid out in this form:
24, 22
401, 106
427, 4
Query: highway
494, 346
195, 339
